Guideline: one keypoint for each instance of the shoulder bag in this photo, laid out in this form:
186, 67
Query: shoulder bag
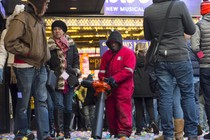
152, 53
51, 79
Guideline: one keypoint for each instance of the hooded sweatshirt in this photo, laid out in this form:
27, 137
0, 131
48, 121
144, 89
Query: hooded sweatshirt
173, 46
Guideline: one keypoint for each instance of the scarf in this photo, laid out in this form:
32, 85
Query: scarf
61, 46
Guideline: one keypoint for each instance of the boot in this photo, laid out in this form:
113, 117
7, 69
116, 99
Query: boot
67, 120
59, 123
155, 128
178, 128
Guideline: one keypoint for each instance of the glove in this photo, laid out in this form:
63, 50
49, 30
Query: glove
1, 75
76, 71
111, 82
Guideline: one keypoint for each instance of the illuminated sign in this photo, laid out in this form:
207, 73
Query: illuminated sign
136, 7
94, 63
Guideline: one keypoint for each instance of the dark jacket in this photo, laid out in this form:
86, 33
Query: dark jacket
173, 45
90, 99
72, 57
141, 79
195, 63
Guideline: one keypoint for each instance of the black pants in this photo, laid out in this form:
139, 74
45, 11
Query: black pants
141, 113
13, 88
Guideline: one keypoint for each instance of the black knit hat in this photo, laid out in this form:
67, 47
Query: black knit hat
61, 24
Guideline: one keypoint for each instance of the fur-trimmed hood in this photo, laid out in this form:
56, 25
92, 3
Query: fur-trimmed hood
52, 45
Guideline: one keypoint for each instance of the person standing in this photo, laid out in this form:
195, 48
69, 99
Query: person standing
117, 67
142, 92
8, 59
89, 104
173, 62
200, 45
65, 63
26, 39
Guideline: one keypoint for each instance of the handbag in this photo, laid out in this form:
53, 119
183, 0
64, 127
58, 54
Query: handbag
152, 53
51, 79
73, 80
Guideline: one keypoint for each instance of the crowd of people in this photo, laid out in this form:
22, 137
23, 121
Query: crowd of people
177, 81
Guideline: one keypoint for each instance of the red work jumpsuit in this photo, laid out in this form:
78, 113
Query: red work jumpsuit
118, 104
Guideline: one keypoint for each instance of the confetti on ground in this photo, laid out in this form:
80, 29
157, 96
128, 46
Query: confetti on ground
86, 135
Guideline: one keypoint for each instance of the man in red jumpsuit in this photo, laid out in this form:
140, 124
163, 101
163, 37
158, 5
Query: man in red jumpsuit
117, 67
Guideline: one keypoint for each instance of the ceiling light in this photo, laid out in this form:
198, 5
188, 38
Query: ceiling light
73, 8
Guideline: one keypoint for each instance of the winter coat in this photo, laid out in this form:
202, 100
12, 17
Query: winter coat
72, 57
195, 63
141, 79
3, 53
173, 45
200, 41
90, 99
21, 39
119, 65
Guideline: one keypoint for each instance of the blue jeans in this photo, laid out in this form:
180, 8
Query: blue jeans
177, 109
31, 80
183, 73
63, 101
205, 85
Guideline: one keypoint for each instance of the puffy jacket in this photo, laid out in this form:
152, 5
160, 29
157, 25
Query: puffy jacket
173, 46
201, 40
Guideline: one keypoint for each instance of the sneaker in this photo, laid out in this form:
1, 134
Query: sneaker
29, 136
207, 136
